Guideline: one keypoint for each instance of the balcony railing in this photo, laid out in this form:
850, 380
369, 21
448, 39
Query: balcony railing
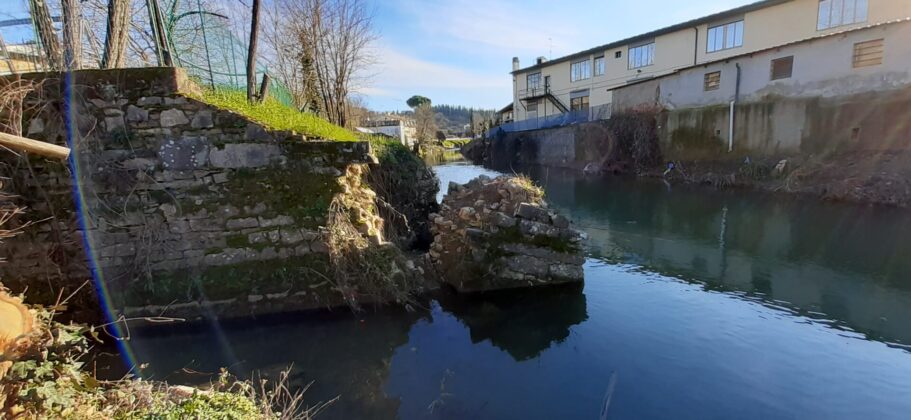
595, 113
533, 92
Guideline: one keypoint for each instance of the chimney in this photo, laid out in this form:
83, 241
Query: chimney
541, 60
515, 63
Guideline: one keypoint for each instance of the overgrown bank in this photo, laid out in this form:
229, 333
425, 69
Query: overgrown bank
629, 143
43, 375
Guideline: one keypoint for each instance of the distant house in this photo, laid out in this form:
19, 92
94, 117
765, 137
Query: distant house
21, 58
505, 115
401, 130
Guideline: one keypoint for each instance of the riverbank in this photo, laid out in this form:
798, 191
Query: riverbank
870, 177
881, 178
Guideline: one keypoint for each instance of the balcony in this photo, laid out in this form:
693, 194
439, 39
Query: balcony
595, 113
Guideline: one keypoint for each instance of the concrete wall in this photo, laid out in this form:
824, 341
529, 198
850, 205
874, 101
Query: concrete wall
186, 209
566, 147
827, 104
763, 28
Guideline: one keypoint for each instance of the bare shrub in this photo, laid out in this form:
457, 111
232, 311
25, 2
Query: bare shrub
364, 271
13, 94
636, 135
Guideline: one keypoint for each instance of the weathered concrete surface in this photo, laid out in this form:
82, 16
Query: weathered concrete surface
498, 233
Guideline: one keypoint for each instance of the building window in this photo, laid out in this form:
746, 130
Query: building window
712, 81
835, 13
618, 54
534, 81
869, 53
642, 56
599, 66
531, 110
782, 68
580, 70
723, 37
579, 103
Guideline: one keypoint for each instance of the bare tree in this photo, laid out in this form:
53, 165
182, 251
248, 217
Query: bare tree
333, 37
251, 54
41, 17
357, 111
72, 34
424, 122
288, 58
118, 33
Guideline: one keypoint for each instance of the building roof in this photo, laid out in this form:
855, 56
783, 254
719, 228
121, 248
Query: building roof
774, 47
505, 108
673, 28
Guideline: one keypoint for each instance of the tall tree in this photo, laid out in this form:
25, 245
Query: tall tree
424, 122
118, 34
72, 34
251, 54
46, 34
331, 44
417, 100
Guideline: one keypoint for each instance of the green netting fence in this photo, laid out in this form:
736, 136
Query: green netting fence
202, 43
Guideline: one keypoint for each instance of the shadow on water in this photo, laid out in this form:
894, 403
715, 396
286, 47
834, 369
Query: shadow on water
343, 355
522, 323
844, 262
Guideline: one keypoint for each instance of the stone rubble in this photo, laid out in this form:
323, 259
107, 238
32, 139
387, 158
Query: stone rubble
498, 233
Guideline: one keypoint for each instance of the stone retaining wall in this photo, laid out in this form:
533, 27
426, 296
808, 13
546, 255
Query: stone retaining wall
181, 202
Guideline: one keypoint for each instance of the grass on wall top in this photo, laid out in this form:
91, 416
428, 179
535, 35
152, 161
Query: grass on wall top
275, 115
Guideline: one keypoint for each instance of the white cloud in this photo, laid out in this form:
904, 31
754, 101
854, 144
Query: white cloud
398, 75
497, 25
397, 69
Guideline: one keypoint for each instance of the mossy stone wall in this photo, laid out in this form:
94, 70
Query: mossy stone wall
181, 203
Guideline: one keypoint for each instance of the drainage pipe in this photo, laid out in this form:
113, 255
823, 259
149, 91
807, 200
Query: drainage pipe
733, 103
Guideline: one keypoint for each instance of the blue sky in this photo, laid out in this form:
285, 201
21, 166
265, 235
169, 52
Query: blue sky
460, 52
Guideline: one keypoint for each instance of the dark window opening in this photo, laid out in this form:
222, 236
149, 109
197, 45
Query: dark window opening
782, 68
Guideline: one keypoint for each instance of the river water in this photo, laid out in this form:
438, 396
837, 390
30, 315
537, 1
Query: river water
696, 304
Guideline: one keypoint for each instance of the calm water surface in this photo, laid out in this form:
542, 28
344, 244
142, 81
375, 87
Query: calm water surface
698, 303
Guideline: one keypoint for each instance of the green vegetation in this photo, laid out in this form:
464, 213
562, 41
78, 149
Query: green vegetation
46, 380
293, 191
393, 154
455, 143
275, 114
295, 274
514, 235
418, 100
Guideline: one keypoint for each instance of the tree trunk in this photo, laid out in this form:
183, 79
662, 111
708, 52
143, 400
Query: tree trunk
251, 54
72, 34
46, 34
115, 43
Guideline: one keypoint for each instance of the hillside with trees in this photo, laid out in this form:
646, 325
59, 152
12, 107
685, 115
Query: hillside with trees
453, 119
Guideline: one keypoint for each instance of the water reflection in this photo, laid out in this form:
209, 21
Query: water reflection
840, 261
342, 355
748, 334
522, 323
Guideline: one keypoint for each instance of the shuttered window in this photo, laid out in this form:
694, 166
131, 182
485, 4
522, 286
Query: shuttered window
712, 81
869, 53
782, 67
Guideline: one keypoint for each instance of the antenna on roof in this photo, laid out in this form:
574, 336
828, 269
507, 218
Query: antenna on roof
550, 48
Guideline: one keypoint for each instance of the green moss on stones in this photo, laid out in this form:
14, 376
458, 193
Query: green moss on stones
291, 191
512, 235
240, 280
